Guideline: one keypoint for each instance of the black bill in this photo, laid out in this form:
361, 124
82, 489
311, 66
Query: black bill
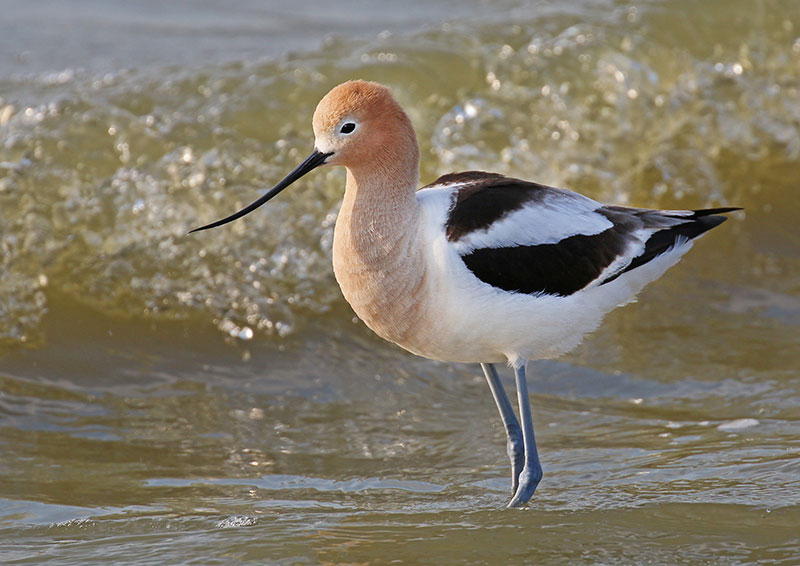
311, 162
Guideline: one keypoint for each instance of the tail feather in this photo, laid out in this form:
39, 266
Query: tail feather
709, 211
696, 224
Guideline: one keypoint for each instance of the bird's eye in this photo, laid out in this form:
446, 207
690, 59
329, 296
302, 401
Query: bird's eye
347, 128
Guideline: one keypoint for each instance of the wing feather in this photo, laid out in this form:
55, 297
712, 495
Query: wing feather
524, 237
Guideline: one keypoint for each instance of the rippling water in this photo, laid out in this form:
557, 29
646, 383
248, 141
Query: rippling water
209, 399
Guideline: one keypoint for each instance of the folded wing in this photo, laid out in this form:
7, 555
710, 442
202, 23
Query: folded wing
524, 237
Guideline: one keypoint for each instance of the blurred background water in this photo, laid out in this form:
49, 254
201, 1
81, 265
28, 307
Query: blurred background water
210, 399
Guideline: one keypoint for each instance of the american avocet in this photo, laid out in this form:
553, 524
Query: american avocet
477, 267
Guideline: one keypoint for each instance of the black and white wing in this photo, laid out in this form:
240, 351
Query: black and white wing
524, 237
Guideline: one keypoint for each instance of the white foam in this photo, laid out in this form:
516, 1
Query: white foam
737, 424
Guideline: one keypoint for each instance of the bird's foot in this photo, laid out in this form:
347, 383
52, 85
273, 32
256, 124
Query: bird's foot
529, 478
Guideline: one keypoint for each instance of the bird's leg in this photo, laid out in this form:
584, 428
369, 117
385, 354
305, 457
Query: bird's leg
514, 447
532, 469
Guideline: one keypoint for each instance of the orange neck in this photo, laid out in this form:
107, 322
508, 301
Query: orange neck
377, 254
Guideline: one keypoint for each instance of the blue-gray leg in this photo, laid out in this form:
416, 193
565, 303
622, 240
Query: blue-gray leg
515, 446
532, 469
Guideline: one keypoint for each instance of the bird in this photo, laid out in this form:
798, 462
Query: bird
477, 267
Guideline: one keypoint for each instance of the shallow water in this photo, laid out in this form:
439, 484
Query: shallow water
208, 399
